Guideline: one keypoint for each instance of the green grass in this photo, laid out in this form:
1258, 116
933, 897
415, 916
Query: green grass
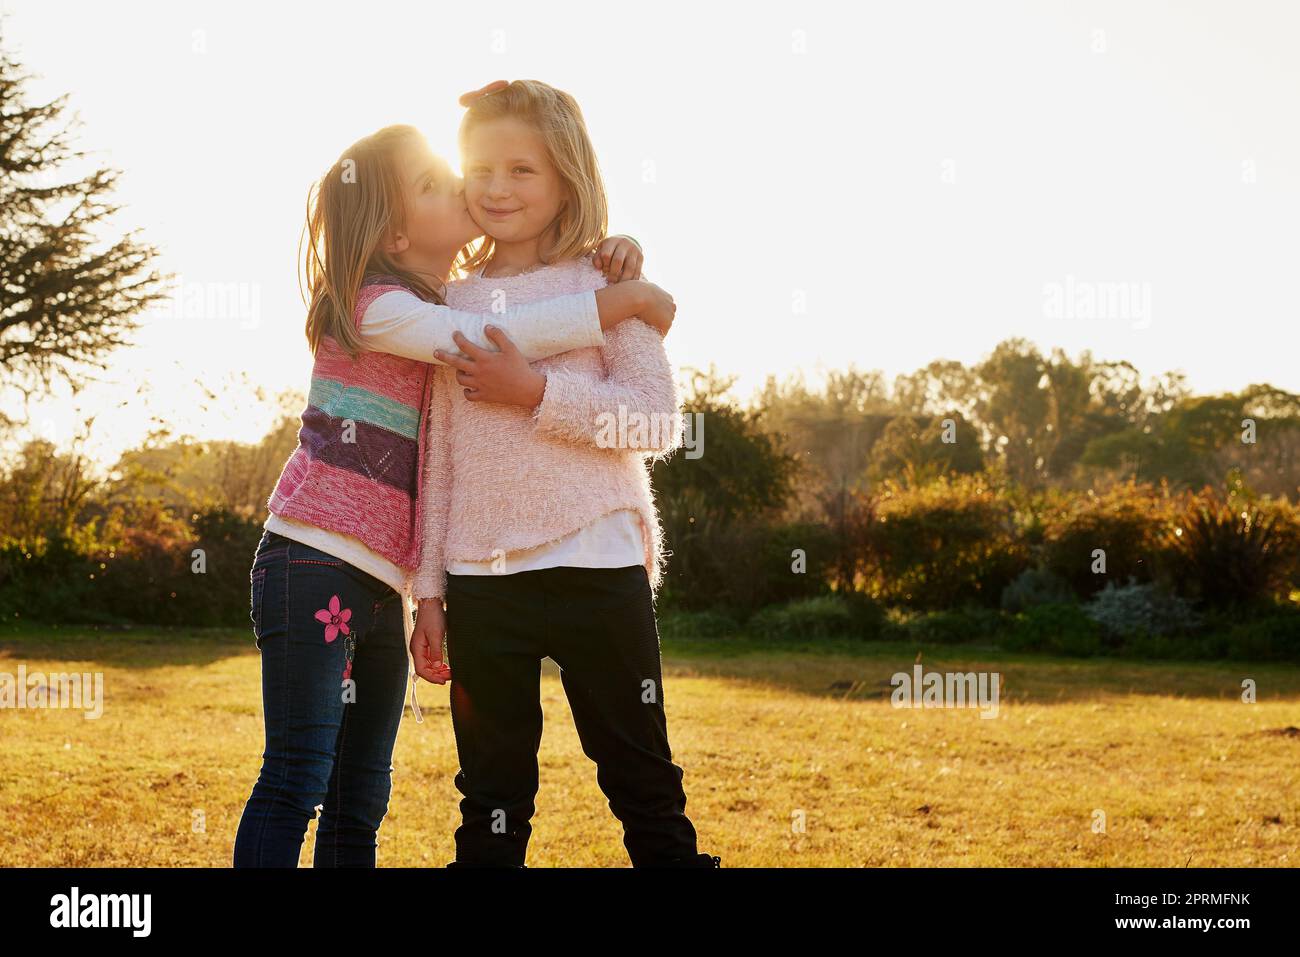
1182, 770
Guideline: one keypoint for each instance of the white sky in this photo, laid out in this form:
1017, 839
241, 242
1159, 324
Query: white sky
911, 180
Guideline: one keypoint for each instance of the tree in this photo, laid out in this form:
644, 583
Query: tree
830, 431
66, 297
742, 472
913, 448
43, 492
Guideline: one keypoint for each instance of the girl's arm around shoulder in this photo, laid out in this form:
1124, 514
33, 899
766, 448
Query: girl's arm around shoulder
401, 323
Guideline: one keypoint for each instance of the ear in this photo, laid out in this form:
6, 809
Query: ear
396, 244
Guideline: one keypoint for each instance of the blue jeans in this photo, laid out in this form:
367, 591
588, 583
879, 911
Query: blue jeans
334, 676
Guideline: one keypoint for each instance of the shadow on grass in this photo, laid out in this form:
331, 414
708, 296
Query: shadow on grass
124, 647
851, 670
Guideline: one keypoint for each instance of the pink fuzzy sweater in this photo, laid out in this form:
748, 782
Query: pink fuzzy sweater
499, 478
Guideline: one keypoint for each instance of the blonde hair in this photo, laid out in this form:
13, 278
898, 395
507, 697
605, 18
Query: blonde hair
351, 210
584, 217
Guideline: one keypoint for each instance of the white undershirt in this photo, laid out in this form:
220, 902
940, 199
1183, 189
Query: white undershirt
612, 541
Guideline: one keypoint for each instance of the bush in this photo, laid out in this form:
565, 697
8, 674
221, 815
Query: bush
867, 615
144, 576
740, 566
47, 580
1273, 637
951, 542
1127, 522
827, 616
697, 624
1231, 555
1059, 629
1126, 611
952, 627
1035, 586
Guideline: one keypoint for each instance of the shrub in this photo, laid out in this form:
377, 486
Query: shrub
1135, 609
1272, 637
697, 624
1230, 555
827, 616
739, 566
46, 580
953, 627
868, 616
1060, 629
949, 542
1127, 522
1035, 586
145, 575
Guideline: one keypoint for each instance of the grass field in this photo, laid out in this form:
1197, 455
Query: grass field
1183, 771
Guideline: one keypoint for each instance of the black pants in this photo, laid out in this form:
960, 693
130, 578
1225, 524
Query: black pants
598, 625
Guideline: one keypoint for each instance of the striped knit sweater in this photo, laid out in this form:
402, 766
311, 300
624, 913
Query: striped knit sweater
360, 443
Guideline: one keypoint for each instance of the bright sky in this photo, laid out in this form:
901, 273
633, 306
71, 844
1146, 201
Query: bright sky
818, 184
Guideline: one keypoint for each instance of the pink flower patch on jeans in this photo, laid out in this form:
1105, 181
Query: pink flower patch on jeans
335, 620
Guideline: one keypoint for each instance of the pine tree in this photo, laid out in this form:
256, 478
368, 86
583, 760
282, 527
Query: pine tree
67, 296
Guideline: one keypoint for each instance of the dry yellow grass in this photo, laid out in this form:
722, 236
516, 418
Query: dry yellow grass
1183, 771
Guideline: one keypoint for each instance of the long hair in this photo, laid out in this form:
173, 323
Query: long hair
351, 210
584, 217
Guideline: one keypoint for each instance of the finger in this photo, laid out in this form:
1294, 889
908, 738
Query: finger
503, 341
420, 651
634, 262
616, 265
467, 347
607, 246
472, 395
467, 379
450, 358
629, 265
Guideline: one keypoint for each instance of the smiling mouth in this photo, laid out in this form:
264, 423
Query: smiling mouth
499, 212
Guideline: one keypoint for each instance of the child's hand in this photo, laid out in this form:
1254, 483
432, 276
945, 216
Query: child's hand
659, 310
619, 257
504, 377
429, 642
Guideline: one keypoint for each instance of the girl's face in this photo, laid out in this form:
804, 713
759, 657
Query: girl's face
513, 190
438, 223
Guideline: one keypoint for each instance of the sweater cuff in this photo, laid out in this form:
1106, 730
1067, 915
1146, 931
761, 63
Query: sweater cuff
429, 586
589, 316
555, 411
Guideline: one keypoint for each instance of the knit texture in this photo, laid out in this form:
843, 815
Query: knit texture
501, 478
360, 451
